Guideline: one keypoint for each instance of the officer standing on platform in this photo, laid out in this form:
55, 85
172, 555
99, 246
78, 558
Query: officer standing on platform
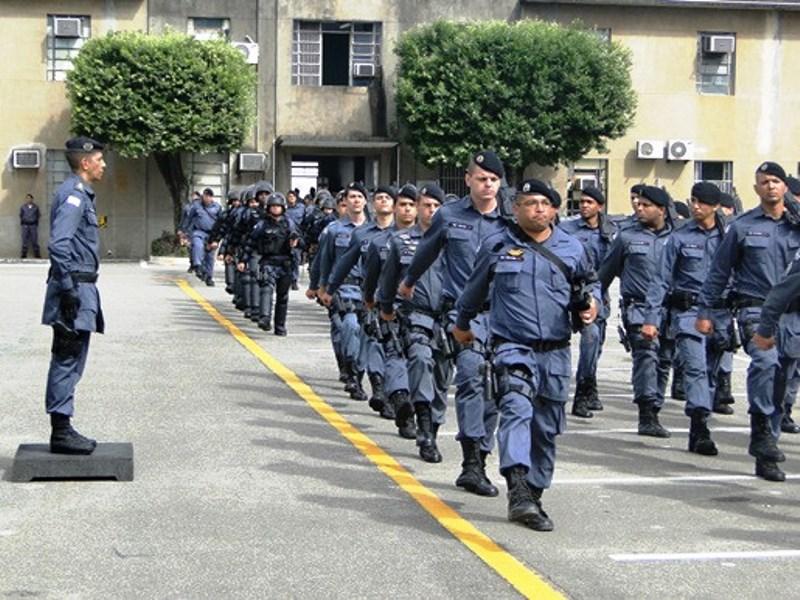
29, 222
755, 252
635, 256
683, 270
72, 303
532, 268
457, 230
201, 220
596, 233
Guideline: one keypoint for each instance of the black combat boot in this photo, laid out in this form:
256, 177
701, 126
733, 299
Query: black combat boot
787, 423
769, 470
700, 440
473, 477
546, 524
342, 369
677, 390
378, 398
762, 443
594, 400
580, 404
65, 440
357, 392
426, 441
722, 395
403, 409
408, 430
648, 421
263, 323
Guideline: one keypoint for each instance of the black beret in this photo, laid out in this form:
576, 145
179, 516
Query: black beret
431, 190
233, 195
534, 186
83, 144
357, 186
726, 200
794, 185
208, 192
772, 168
682, 210
594, 193
706, 192
489, 161
408, 191
637, 189
450, 198
655, 195
387, 189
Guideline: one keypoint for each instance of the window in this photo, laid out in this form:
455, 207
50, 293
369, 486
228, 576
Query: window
209, 171
716, 172
716, 53
335, 53
204, 28
451, 180
604, 33
586, 173
66, 35
57, 171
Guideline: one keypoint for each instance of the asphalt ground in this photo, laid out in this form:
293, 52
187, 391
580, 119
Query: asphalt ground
248, 486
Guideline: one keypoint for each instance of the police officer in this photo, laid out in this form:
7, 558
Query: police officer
201, 220
532, 267
29, 222
222, 235
272, 239
635, 256
72, 303
428, 352
295, 212
183, 226
457, 231
755, 252
596, 233
684, 267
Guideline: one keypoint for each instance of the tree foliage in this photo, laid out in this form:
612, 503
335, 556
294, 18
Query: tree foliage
162, 96
535, 92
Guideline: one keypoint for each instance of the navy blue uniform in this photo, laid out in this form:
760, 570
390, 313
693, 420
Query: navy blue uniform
74, 261
200, 222
29, 222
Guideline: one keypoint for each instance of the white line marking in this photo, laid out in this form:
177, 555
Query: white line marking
630, 430
657, 480
687, 556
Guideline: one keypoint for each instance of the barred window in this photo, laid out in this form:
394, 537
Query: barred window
716, 62
335, 53
209, 171
57, 171
205, 28
719, 173
66, 35
451, 180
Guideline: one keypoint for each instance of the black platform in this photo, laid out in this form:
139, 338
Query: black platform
108, 461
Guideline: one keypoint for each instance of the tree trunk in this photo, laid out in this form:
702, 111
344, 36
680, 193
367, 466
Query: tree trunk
171, 168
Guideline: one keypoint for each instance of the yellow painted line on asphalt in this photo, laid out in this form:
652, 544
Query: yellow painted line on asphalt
526, 581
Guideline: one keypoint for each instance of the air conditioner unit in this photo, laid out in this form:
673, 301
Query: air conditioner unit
363, 70
680, 150
650, 149
719, 44
253, 162
585, 181
67, 27
248, 50
26, 158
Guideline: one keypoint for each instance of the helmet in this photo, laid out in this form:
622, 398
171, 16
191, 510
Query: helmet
321, 195
327, 202
276, 199
263, 187
233, 195
249, 193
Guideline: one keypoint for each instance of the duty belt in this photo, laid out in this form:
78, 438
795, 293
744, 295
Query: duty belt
742, 301
83, 277
535, 345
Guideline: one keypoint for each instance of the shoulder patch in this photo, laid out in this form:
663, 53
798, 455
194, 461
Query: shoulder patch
74, 200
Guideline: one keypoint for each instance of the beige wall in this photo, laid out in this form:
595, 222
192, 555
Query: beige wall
755, 124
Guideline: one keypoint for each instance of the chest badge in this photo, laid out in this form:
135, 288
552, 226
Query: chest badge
516, 252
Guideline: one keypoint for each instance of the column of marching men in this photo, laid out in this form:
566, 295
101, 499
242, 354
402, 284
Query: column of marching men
424, 290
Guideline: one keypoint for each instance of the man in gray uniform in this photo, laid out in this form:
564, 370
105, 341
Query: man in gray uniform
72, 303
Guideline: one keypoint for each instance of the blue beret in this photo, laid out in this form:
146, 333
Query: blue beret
594, 193
489, 161
534, 186
706, 192
357, 186
772, 168
83, 144
431, 190
655, 195
408, 191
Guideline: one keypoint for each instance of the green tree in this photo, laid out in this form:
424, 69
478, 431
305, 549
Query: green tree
162, 96
535, 92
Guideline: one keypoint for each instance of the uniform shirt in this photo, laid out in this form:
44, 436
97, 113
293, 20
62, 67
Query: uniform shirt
29, 214
377, 252
779, 298
634, 257
201, 218
184, 225
315, 266
402, 247
594, 242
270, 238
351, 262
530, 295
458, 228
296, 214
756, 251
685, 264
334, 245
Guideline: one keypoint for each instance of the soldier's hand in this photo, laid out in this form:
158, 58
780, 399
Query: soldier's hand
213, 245
293, 243
69, 303
387, 316
704, 326
763, 343
311, 294
405, 291
589, 316
325, 298
240, 267
463, 337
649, 332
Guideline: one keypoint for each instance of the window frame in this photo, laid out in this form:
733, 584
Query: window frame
701, 85
62, 51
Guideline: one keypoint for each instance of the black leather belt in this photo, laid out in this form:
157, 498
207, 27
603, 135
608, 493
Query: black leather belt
81, 277
536, 345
